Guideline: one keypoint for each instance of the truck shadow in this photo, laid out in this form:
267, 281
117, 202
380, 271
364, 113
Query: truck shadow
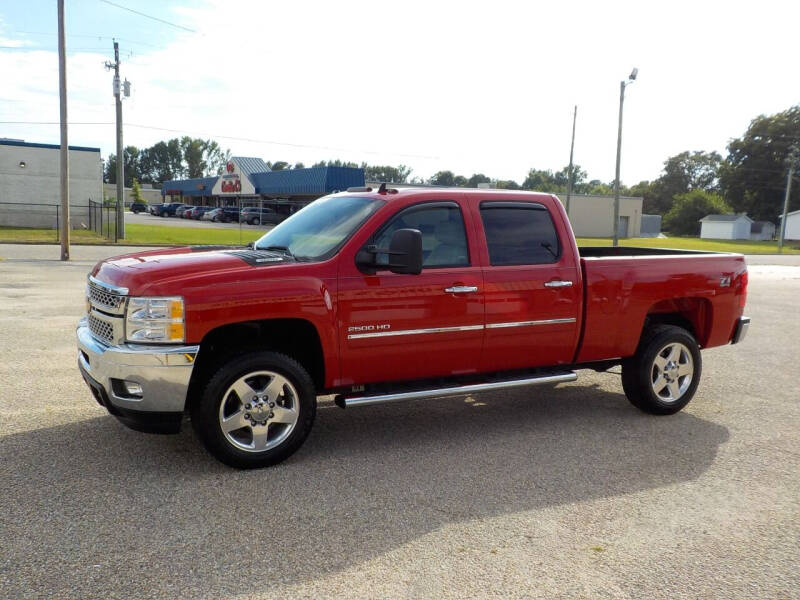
121, 513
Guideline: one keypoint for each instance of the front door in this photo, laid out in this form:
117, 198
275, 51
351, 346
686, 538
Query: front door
396, 327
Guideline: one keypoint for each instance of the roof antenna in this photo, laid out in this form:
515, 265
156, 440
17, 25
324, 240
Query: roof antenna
382, 189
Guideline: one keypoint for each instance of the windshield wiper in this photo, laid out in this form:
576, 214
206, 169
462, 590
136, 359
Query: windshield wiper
283, 249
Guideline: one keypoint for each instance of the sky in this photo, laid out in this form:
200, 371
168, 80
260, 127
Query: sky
474, 87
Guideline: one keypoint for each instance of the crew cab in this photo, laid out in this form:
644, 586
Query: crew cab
387, 295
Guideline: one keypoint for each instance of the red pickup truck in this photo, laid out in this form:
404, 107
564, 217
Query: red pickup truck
388, 295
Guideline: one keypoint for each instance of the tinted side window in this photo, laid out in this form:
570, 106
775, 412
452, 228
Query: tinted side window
444, 239
519, 235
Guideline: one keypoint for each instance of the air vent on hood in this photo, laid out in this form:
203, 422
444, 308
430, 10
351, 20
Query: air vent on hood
258, 258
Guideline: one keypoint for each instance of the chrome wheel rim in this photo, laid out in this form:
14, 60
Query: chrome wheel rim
672, 372
259, 411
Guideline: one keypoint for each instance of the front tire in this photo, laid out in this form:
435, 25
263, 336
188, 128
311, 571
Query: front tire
663, 375
256, 410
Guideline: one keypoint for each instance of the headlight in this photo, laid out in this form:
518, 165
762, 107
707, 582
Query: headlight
155, 320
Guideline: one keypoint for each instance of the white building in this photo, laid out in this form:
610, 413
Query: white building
30, 183
792, 225
593, 216
762, 230
725, 227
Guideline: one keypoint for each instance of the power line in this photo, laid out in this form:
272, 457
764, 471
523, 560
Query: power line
89, 36
141, 14
224, 137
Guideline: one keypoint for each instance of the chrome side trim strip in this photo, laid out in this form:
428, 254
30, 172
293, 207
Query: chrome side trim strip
527, 323
358, 336
456, 391
375, 334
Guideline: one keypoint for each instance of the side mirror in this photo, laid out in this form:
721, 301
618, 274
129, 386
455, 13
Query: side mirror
405, 254
251, 245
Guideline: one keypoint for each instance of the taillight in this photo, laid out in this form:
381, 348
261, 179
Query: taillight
743, 293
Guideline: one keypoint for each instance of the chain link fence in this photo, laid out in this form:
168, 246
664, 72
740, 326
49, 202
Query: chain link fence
46, 219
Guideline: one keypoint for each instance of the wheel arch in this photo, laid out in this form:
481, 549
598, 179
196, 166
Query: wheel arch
692, 314
297, 338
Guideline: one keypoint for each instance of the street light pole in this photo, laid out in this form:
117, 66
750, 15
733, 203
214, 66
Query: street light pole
64, 150
571, 149
792, 160
622, 85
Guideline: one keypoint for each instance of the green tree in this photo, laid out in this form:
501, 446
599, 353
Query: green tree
476, 179
387, 173
130, 166
684, 172
136, 192
279, 165
215, 158
506, 184
540, 181
753, 176
192, 149
687, 210
446, 178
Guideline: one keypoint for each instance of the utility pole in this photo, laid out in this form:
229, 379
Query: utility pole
120, 229
64, 151
571, 149
622, 85
792, 159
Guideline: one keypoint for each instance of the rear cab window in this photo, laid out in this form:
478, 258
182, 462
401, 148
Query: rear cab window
519, 233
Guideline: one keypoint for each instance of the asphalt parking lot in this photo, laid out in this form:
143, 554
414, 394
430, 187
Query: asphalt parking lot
148, 219
565, 492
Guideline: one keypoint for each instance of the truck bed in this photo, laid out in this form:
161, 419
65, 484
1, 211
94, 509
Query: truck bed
608, 251
625, 286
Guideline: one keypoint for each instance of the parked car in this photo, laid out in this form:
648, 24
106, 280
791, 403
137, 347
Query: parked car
155, 209
199, 211
137, 207
169, 210
256, 216
383, 296
211, 215
224, 214
180, 212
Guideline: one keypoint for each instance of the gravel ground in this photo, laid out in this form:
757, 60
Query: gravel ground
563, 492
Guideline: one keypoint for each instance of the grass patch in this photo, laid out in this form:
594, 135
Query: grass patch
688, 243
170, 236
24, 234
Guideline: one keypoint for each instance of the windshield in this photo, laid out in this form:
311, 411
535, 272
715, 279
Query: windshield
317, 231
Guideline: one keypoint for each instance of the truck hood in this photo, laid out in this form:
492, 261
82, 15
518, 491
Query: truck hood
156, 272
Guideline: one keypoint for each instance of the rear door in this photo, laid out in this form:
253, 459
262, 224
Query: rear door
531, 288
399, 327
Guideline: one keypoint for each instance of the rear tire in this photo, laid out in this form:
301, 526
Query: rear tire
663, 375
256, 410
255, 221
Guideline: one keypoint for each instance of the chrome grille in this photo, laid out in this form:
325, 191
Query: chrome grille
101, 330
104, 297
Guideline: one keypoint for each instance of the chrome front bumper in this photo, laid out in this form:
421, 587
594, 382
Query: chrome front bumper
163, 372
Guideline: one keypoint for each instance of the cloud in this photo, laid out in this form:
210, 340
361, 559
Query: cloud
468, 86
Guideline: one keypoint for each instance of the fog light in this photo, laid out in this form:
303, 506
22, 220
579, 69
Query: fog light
132, 388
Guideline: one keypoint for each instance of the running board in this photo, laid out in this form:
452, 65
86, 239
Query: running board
344, 402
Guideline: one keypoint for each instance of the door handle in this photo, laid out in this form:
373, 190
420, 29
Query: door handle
558, 284
461, 289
